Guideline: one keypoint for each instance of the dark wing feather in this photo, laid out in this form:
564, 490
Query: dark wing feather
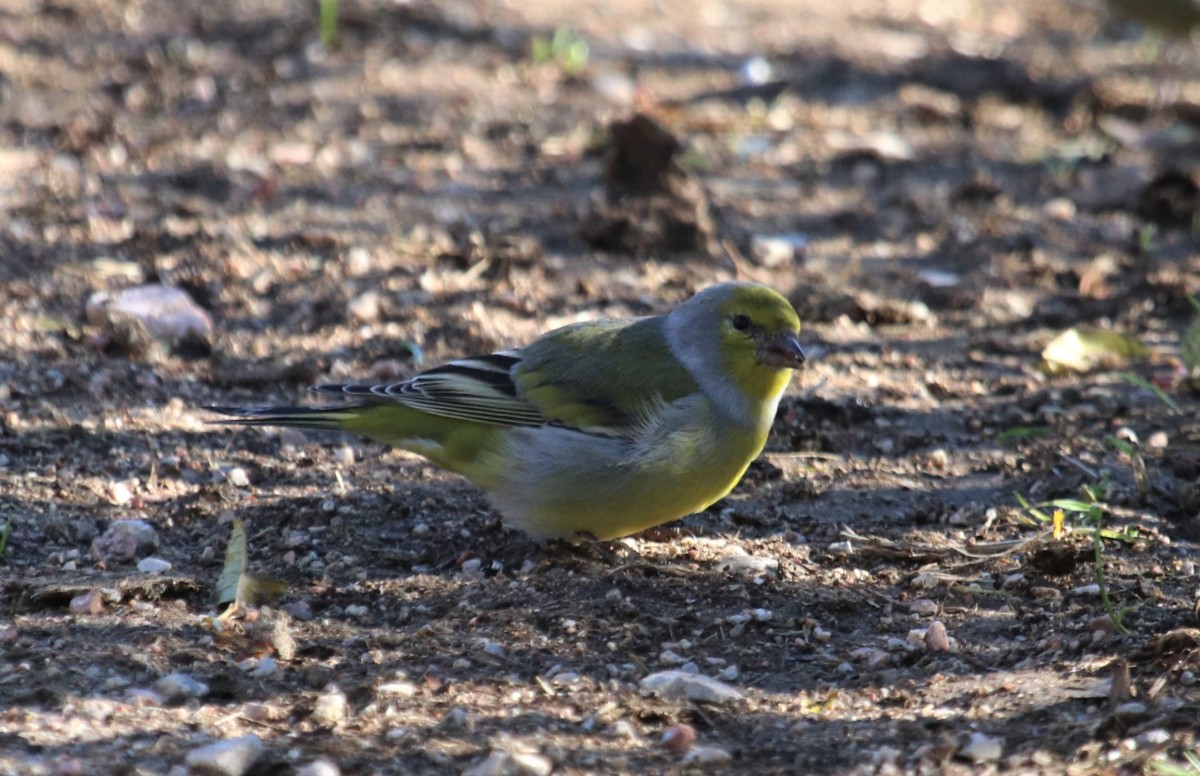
479, 389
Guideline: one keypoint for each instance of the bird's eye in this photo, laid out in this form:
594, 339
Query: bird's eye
741, 322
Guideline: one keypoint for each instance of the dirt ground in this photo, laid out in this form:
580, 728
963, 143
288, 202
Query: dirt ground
940, 187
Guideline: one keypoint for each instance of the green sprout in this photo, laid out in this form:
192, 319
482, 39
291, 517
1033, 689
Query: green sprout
1191, 766
1089, 513
565, 48
329, 24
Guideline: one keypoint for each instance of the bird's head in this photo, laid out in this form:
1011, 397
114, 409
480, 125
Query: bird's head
746, 333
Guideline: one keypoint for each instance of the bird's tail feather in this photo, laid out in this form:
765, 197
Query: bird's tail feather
331, 418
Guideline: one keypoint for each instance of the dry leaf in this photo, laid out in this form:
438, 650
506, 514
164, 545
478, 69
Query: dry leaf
1080, 350
234, 584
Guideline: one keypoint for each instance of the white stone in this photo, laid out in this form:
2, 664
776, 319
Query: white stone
706, 755
231, 757
320, 767
177, 685
331, 708
153, 566
680, 685
512, 764
981, 749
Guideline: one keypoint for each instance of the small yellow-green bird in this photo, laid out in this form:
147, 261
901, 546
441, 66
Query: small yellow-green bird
603, 427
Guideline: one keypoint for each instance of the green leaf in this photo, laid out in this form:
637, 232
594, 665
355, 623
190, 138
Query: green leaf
1190, 347
329, 24
1072, 505
1039, 514
1022, 432
1142, 382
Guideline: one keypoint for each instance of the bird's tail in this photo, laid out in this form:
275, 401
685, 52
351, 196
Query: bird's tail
328, 418
460, 446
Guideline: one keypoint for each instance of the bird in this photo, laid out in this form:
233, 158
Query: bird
600, 428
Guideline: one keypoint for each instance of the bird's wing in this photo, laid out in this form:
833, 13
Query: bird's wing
600, 376
476, 389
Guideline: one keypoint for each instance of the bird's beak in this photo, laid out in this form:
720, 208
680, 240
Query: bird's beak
782, 350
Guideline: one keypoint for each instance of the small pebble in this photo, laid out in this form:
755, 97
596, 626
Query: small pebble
266, 667
1155, 737
91, 602
923, 607
400, 689
141, 697
706, 755
1130, 709
680, 685
500, 763
936, 639
456, 718
679, 738
231, 757
124, 541
1011, 580
671, 658
320, 767
872, 657
565, 679
178, 686
776, 250
301, 610
981, 749
841, 548
262, 712
120, 493
153, 566
365, 308
1059, 209
164, 312
331, 708
926, 581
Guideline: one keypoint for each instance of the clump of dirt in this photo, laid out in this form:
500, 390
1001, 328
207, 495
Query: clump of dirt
651, 204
